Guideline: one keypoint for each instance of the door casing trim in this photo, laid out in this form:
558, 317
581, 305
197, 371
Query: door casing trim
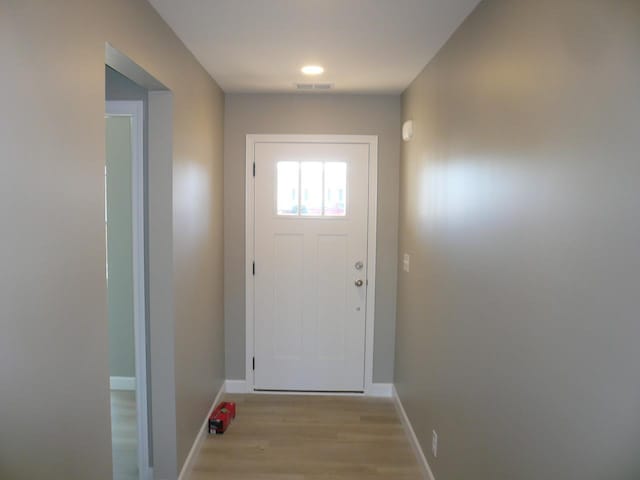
372, 142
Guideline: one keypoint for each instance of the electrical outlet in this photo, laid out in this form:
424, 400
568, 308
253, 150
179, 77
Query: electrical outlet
434, 443
406, 262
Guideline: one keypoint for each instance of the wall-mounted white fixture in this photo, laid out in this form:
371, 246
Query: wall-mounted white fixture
434, 443
312, 70
407, 130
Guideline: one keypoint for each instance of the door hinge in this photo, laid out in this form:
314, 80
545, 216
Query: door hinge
254, 363
254, 169
254, 268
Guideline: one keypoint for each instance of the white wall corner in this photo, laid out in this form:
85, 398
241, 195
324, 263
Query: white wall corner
380, 390
411, 434
122, 383
237, 386
185, 472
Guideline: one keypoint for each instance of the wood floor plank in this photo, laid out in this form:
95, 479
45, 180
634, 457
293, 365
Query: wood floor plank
297, 437
124, 435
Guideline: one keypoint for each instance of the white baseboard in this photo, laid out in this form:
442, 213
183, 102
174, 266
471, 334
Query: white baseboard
376, 390
413, 440
197, 443
380, 390
236, 386
122, 383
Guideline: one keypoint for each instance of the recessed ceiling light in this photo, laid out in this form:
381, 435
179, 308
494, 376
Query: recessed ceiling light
312, 70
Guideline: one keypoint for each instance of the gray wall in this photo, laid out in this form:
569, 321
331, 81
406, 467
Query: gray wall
517, 332
53, 298
311, 114
119, 248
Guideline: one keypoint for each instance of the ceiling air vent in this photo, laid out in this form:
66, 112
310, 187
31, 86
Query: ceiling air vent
314, 86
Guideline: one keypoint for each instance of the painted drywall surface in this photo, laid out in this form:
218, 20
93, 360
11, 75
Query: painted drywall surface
119, 247
517, 331
119, 87
311, 114
53, 297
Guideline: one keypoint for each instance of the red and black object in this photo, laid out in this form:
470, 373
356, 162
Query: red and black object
221, 417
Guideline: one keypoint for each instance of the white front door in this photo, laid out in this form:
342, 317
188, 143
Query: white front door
310, 282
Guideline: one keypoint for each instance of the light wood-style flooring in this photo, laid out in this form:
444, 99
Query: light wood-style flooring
295, 437
124, 437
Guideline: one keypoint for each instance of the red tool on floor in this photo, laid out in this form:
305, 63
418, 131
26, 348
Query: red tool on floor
221, 417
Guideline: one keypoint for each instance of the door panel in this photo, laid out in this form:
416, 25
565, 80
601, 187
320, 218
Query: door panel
332, 295
288, 289
310, 211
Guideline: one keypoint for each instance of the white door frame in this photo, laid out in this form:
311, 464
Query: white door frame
372, 142
135, 110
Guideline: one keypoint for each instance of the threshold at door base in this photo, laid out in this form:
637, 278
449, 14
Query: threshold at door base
375, 390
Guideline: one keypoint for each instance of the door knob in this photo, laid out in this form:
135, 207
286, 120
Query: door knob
359, 283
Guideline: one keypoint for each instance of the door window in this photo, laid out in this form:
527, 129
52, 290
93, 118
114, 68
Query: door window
288, 185
312, 189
